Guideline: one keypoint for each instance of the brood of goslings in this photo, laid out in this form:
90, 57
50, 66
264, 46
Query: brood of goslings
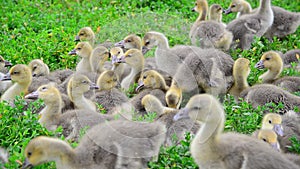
72, 121
241, 70
21, 76
121, 144
246, 27
208, 34
175, 129
213, 149
107, 95
273, 62
77, 86
285, 22
84, 50
267, 93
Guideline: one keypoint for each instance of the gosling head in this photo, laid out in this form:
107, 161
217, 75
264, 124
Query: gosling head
270, 60
215, 12
107, 80
270, 137
199, 107
38, 68
152, 104
134, 58
82, 49
235, 6
4, 63
20, 74
130, 42
48, 93
200, 5
116, 53
80, 83
85, 34
151, 40
153, 80
273, 121
40, 150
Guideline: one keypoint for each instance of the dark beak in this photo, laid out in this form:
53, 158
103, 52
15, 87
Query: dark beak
121, 59
260, 64
77, 39
72, 52
114, 59
7, 63
33, 95
278, 129
227, 11
276, 146
182, 114
6, 77
145, 50
140, 86
93, 86
120, 44
27, 164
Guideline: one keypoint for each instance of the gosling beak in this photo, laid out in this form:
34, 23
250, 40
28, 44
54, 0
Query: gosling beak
260, 64
93, 86
7, 63
121, 59
77, 39
140, 86
145, 50
120, 44
276, 146
33, 95
193, 9
72, 52
227, 11
6, 77
182, 114
278, 129
27, 164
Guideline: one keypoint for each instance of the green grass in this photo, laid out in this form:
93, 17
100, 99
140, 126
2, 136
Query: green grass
46, 30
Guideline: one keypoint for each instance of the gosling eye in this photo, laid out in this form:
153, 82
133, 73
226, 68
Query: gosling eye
81, 34
128, 40
144, 77
264, 140
15, 73
29, 154
119, 52
129, 55
147, 43
78, 48
270, 121
85, 82
233, 5
267, 58
34, 67
196, 4
44, 88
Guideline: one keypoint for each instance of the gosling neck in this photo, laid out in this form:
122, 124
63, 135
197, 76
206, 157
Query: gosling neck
202, 11
129, 80
265, 7
163, 42
246, 9
240, 82
81, 102
271, 75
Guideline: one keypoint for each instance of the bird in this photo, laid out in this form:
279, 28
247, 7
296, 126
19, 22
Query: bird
176, 130
285, 22
270, 137
212, 148
72, 121
87, 34
246, 27
121, 70
4, 85
99, 60
84, 50
38, 68
77, 86
215, 13
121, 144
150, 82
4, 64
241, 71
272, 61
21, 75
267, 93
208, 33
108, 96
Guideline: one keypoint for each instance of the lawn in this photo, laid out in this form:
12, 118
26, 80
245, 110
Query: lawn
47, 29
